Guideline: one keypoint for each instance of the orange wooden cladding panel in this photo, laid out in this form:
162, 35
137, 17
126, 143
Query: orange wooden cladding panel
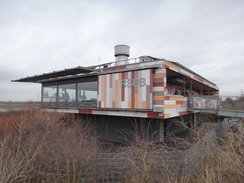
174, 106
159, 75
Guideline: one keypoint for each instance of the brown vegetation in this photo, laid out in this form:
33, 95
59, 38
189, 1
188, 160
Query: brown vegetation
36, 146
40, 147
233, 104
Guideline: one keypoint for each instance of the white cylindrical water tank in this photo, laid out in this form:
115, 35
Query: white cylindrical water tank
121, 52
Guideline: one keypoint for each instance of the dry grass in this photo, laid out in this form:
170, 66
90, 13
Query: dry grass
37, 147
226, 163
40, 147
146, 162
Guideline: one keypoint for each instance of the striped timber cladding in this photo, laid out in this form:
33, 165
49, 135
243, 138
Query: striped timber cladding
174, 106
112, 95
159, 87
171, 106
154, 96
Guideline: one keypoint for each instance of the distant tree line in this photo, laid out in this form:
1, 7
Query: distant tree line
234, 104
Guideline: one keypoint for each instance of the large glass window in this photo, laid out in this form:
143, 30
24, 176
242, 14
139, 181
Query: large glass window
49, 94
87, 91
67, 93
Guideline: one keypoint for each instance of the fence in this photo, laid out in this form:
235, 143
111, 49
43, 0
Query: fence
195, 155
113, 166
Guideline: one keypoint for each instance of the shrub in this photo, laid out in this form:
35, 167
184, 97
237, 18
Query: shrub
37, 146
42, 147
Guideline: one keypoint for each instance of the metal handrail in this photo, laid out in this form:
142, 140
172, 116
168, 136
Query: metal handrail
130, 61
216, 102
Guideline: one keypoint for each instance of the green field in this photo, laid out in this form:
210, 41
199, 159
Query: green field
17, 105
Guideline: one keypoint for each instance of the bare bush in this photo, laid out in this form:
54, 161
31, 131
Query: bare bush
42, 147
147, 161
36, 146
226, 162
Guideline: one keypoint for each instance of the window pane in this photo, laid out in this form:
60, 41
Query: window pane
67, 93
49, 94
87, 91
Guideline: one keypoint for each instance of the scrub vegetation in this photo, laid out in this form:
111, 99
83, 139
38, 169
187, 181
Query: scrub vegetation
233, 104
44, 147
37, 146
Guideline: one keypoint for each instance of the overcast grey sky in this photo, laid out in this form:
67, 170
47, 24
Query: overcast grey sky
40, 36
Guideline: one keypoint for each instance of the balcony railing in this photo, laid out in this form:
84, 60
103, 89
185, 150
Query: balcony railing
122, 62
209, 102
216, 102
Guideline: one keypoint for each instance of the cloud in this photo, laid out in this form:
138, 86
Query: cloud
42, 36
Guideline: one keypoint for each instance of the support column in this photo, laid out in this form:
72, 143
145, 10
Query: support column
201, 96
191, 89
42, 94
76, 92
161, 130
194, 119
201, 90
57, 93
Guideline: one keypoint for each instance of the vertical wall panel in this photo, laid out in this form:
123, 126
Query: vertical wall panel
173, 105
158, 87
114, 95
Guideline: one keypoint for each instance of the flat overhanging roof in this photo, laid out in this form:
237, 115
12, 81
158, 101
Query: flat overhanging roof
83, 72
55, 74
194, 73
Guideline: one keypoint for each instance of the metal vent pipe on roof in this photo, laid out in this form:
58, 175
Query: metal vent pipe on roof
121, 52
